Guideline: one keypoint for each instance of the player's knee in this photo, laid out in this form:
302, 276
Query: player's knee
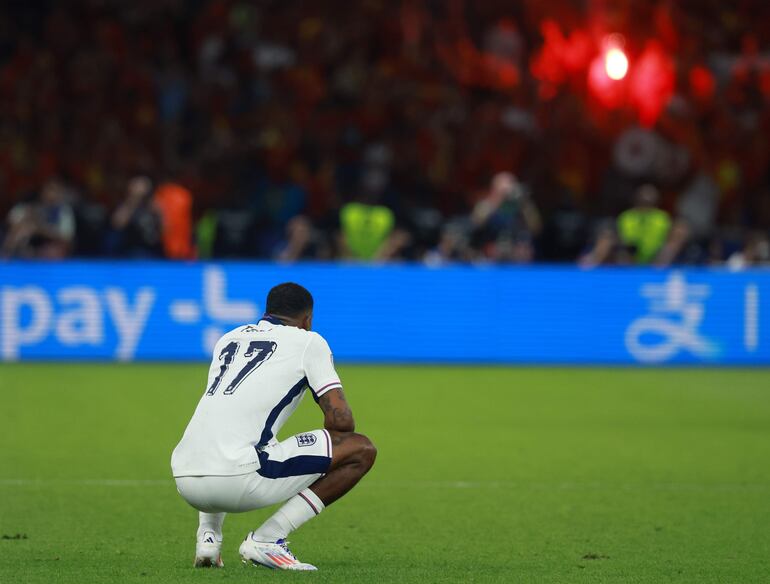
353, 448
367, 452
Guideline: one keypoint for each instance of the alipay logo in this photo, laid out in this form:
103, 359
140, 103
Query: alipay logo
676, 311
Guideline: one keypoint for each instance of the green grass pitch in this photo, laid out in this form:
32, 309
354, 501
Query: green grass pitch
484, 475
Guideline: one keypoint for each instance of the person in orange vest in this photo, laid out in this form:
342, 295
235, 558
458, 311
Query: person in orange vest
174, 203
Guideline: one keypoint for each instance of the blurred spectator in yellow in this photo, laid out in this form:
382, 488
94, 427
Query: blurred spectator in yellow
643, 228
638, 235
365, 229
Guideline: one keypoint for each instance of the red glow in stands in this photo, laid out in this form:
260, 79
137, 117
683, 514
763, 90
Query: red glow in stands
652, 82
702, 83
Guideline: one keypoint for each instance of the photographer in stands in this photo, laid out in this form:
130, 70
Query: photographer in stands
506, 221
41, 228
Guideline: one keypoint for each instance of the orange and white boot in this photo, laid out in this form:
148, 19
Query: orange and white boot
275, 555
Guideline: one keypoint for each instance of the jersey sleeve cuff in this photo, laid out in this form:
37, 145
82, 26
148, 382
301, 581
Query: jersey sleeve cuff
327, 388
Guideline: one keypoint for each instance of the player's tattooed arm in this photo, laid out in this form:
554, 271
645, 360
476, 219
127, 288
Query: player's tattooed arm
337, 414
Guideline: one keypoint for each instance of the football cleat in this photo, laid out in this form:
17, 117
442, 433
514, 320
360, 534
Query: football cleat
208, 551
275, 555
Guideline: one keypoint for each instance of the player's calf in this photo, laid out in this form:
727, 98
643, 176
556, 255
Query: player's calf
352, 457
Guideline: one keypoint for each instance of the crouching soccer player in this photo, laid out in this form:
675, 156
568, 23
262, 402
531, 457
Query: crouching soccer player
229, 461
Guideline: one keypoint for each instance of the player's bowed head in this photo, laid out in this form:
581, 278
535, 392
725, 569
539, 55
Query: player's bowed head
292, 304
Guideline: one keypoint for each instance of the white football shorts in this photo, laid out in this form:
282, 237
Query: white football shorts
286, 468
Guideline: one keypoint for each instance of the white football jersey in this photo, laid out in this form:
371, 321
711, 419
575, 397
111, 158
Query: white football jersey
258, 376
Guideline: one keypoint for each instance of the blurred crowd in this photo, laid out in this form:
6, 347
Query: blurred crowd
403, 130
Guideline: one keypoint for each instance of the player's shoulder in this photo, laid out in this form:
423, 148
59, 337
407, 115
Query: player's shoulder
306, 338
314, 336
316, 344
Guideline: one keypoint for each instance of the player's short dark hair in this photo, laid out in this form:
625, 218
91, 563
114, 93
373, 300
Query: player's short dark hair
289, 299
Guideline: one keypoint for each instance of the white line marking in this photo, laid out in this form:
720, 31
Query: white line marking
570, 486
87, 482
510, 485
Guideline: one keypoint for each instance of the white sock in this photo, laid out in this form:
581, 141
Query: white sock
210, 522
300, 508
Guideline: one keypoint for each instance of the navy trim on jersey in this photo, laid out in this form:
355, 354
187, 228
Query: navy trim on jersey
272, 319
292, 467
267, 432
